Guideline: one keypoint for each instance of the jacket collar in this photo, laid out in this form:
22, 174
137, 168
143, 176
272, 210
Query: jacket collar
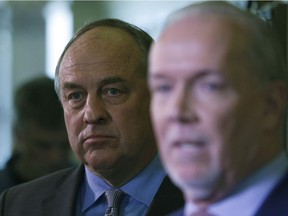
63, 199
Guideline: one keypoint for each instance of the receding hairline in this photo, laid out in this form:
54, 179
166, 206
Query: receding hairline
103, 34
105, 37
264, 45
142, 39
143, 42
215, 8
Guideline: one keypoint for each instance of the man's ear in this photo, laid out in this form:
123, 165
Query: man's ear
276, 101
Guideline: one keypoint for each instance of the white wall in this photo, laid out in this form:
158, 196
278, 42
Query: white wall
5, 82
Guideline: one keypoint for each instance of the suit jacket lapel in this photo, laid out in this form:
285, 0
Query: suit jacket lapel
180, 212
63, 199
168, 199
277, 202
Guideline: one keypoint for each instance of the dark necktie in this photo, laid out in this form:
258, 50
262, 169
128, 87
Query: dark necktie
114, 198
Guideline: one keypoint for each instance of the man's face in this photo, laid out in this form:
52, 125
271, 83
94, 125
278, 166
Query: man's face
47, 150
207, 105
106, 103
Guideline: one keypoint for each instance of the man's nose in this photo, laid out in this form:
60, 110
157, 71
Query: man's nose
182, 106
95, 111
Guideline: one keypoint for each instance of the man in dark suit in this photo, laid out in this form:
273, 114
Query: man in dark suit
101, 83
219, 93
40, 142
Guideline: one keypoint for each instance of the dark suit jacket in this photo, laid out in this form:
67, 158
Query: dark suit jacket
276, 204
56, 195
7, 179
8, 175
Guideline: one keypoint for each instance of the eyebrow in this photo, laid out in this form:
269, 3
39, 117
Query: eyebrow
111, 80
200, 73
157, 76
103, 82
69, 85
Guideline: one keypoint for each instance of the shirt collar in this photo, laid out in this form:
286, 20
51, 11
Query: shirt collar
92, 189
142, 187
251, 193
145, 185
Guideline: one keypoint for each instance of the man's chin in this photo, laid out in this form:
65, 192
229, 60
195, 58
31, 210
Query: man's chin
200, 184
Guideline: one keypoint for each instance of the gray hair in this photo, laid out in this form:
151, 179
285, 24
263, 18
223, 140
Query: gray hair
266, 52
143, 39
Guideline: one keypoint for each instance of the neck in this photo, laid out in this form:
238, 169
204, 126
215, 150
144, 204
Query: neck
120, 175
228, 187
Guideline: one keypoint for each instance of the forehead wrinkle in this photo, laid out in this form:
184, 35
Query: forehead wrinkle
114, 51
84, 66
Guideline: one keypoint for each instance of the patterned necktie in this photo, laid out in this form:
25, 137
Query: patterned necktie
114, 198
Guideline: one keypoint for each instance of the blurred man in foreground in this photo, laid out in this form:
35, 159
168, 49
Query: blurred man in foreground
219, 94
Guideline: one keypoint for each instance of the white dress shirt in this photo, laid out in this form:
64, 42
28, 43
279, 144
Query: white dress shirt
250, 194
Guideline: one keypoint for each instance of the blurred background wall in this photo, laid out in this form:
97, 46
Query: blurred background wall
34, 33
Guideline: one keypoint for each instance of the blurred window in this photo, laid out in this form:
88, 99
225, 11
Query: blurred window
59, 30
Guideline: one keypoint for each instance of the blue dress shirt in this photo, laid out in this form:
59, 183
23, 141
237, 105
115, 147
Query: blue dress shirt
140, 192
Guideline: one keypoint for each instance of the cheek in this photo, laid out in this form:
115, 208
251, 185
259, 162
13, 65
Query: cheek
230, 139
220, 126
72, 124
161, 131
69, 125
129, 120
73, 121
158, 111
157, 115
134, 123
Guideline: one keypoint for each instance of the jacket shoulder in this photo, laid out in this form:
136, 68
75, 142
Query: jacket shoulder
28, 197
167, 199
44, 184
277, 201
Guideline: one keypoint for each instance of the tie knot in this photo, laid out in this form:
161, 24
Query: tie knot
114, 198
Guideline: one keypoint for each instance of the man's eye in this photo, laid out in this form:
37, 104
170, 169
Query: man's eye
74, 96
162, 88
213, 86
112, 92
